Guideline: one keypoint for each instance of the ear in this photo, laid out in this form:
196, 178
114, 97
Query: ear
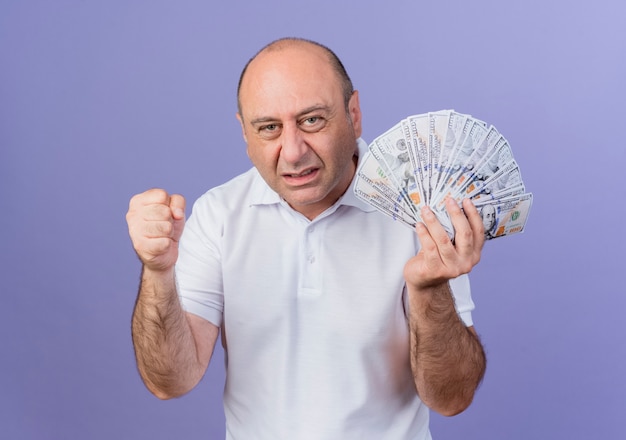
354, 111
243, 128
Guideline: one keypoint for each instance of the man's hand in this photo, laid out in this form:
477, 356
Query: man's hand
440, 259
155, 223
172, 347
447, 358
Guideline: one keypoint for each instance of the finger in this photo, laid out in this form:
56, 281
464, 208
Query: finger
154, 196
438, 252
156, 212
463, 234
159, 229
424, 237
478, 229
438, 233
428, 247
475, 222
140, 218
177, 205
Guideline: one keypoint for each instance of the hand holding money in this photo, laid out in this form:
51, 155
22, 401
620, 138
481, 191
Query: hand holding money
426, 159
441, 259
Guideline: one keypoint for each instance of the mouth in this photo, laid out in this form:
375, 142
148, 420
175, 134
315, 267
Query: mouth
302, 174
302, 177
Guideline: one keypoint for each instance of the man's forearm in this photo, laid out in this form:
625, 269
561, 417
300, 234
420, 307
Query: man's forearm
164, 345
447, 358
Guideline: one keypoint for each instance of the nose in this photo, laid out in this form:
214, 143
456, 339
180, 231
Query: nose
293, 145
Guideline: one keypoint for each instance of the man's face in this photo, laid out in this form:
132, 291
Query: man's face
489, 217
299, 135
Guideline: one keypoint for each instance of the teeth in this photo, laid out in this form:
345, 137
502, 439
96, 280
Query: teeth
302, 174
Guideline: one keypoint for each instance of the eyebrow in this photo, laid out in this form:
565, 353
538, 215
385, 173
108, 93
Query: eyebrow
311, 109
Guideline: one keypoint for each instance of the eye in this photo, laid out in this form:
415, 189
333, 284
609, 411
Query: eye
312, 123
269, 131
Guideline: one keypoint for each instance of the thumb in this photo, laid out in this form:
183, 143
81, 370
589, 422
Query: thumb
177, 205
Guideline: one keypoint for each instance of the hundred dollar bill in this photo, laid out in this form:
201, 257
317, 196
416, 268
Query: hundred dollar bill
506, 216
374, 176
472, 134
498, 158
371, 196
392, 204
495, 160
469, 169
392, 150
416, 163
418, 132
424, 159
512, 191
509, 176
437, 132
506, 176
504, 183
454, 130
483, 149
374, 187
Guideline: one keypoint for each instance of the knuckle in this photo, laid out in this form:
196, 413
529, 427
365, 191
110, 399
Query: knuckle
465, 234
166, 228
466, 267
161, 212
156, 229
429, 247
156, 192
135, 202
161, 196
159, 246
154, 195
444, 240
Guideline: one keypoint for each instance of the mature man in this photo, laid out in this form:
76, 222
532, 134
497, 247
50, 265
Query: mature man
337, 323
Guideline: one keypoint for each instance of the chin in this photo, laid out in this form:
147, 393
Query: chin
305, 201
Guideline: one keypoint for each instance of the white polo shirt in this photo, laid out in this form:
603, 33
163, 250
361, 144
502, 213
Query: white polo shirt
312, 314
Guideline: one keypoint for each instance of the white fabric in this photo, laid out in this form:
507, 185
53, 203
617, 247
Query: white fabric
312, 314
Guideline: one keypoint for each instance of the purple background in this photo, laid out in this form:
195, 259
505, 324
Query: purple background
100, 100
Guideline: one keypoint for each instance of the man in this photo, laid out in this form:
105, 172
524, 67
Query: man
335, 322
489, 218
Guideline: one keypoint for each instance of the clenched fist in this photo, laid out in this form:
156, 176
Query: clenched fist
155, 223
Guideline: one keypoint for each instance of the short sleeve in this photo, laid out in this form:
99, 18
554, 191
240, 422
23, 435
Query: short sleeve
199, 268
462, 294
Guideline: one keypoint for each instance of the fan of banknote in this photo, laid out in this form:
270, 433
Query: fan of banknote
426, 158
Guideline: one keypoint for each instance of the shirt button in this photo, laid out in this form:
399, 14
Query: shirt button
312, 259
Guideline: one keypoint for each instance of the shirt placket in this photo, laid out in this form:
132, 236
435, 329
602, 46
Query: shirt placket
310, 275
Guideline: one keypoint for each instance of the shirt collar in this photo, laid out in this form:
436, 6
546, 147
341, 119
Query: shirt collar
262, 194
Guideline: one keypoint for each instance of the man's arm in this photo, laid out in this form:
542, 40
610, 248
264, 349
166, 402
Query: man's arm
447, 357
173, 348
